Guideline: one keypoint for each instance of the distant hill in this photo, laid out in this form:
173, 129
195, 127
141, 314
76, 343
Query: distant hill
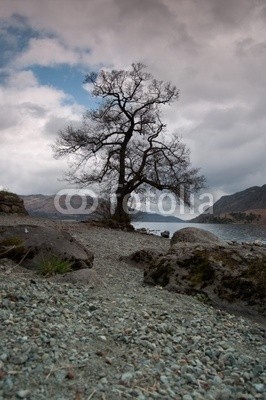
247, 206
42, 206
153, 217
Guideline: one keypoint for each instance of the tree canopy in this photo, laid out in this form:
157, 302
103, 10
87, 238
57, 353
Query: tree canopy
124, 140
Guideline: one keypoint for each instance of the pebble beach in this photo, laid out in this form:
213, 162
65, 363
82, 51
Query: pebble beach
118, 339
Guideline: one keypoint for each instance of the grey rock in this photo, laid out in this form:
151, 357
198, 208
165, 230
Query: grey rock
8, 385
260, 387
217, 380
189, 378
127, 377
224, 394
196, 235
22, 394
187, 397
3, 357
164, 379
165, 234
41, 243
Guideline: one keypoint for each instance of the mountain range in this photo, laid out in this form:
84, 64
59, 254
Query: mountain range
247, 206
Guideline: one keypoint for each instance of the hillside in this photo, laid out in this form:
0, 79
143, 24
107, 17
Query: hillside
40, 205
153, 217
247, 206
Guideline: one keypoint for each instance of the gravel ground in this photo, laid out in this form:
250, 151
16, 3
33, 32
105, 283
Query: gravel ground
120, 340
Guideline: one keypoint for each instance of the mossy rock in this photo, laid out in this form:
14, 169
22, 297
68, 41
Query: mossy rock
257, 271
11, 203
234, 274
160, 273
203, 273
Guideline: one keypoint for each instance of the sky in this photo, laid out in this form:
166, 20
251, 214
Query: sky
214, 51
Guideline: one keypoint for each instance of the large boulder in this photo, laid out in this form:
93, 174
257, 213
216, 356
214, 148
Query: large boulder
232, 275
10, 203
31, 245
196, 236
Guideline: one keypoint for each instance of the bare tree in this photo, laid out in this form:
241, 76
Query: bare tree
127, 140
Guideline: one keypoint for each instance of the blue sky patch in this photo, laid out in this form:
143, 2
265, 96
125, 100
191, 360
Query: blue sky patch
66, 78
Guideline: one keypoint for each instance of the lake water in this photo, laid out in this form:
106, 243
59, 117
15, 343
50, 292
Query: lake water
238, 232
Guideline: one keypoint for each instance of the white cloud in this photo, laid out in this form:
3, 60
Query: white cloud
48, 52
26, 159
21, 80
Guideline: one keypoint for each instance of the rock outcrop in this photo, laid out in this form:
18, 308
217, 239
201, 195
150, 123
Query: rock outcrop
32, 245
199, 263
10, 203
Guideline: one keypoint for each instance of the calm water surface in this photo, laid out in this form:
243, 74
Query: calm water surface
238, 232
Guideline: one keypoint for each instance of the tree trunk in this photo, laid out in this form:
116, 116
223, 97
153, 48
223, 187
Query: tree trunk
121, 215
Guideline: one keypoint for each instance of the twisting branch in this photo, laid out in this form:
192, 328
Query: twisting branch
124, 141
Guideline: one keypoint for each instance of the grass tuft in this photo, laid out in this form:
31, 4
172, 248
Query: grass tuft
12, 247
54, 265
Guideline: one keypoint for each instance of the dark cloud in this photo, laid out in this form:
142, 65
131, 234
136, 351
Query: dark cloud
213, 50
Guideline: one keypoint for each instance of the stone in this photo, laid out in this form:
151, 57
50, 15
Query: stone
8, 385
164, 379
127, 377
3, 357
142, 230
259, 387
189, 378
187, 397
30, 245
224, 394
165, 234
22, 394
258, 243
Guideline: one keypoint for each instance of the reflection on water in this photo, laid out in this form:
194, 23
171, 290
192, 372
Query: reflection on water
238, 232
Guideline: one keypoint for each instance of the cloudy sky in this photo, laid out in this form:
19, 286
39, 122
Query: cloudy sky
213, 50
